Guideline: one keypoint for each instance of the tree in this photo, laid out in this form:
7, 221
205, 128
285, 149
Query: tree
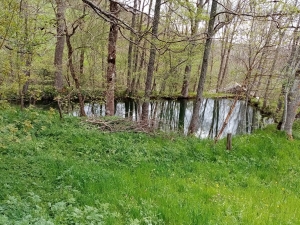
210, 32
7, 21
195, 21
111, 60
150, 70
272, 69
140, 57
115, 24
26, 51
68, 36
292, 102
60, 43
130, 51
227, 44
291, 87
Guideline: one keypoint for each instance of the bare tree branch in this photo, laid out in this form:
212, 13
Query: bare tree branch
109, 17
271, 16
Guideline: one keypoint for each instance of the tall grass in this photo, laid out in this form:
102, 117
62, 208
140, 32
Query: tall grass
68, 172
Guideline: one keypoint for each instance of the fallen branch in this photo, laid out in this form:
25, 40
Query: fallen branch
227, 118
120, 125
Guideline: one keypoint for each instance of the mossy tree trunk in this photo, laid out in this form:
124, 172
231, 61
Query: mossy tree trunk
111, 62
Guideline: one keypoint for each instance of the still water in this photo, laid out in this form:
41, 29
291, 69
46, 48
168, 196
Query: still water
175, 115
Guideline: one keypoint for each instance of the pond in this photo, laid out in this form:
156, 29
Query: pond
175, 115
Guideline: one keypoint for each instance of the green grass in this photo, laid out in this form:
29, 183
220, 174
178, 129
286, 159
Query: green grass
68, 172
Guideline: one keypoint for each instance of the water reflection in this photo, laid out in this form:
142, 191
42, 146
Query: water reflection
170, 115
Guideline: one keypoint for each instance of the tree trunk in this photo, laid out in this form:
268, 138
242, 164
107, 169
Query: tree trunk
289, 94
224, 69
281, 35
227, 118
186, 81
256, 85
111, 61
27, 73
145, 107
182, 110
292, 104
81, 62
258, 75
210, 31
73, 74
138, 68
27, 52
130, 50
194, 31
60, 43
166, 76
223, 52
295, 51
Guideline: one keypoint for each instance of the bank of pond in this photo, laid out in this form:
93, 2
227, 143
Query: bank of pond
67, 171
175, 115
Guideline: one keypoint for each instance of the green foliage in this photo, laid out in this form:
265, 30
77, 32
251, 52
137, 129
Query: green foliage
67, 172
4, 105
296, 129
32, 210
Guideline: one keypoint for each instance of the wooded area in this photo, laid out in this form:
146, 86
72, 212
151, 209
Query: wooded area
85, 49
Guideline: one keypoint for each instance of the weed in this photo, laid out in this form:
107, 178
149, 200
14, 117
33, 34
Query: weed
67, 172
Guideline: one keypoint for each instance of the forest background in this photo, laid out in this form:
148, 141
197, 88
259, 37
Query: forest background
66, 171
103, 49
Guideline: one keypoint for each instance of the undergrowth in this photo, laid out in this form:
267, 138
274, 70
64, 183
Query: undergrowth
68, 172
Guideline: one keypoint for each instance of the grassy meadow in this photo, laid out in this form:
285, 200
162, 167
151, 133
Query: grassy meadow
66, 171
